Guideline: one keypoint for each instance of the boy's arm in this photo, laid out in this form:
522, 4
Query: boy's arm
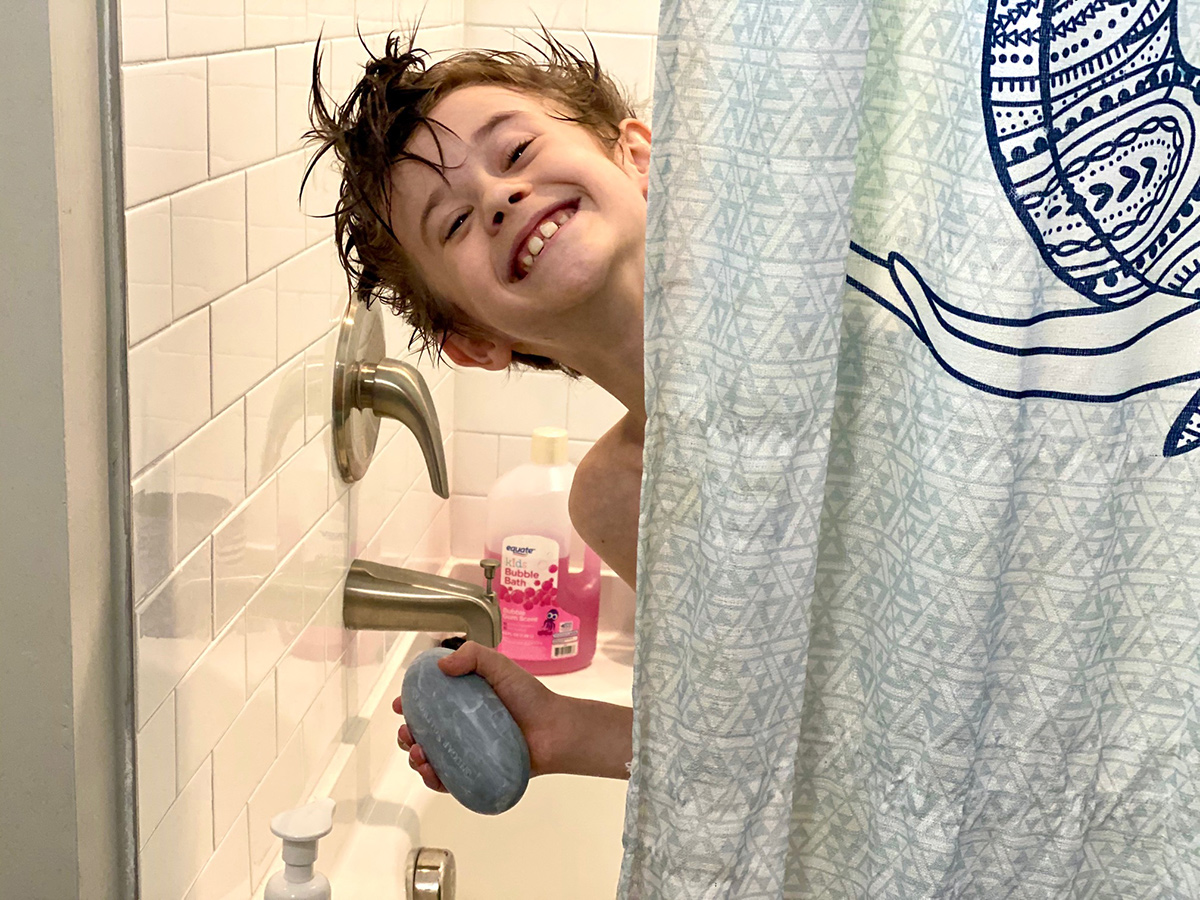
599, 741
566, 735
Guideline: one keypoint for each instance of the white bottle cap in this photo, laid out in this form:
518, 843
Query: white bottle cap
549, 446
301, 828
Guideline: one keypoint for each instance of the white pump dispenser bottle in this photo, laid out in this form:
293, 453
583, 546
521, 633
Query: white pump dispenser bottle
300, 829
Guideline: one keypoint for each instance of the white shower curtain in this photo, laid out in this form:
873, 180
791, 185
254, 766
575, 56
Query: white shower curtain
919, 572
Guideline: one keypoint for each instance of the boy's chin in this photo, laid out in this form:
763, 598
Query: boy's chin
572, 286
591, 268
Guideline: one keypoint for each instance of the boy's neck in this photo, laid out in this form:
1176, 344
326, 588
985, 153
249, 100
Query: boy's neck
610, 352
618, 368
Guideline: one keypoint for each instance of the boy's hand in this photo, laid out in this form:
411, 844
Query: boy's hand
534, 707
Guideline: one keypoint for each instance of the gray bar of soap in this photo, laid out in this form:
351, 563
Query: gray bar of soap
468, 735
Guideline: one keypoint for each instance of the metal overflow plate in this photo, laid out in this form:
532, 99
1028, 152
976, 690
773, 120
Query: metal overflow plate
432, 874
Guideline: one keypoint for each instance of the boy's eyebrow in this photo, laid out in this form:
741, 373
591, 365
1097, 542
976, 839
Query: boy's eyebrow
492, 124
481, 134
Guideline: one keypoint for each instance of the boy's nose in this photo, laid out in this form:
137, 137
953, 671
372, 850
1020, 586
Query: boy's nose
514, 197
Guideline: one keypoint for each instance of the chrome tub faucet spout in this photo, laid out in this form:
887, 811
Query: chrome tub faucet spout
388, 598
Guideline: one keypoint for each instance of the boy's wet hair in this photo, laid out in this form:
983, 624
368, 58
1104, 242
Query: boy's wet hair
369, 132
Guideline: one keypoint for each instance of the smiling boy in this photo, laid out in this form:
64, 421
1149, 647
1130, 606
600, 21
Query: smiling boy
498, 203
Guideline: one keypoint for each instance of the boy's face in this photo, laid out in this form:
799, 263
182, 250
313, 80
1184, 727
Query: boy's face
535, 219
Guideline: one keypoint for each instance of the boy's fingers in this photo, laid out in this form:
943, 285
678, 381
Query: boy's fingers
431, 780
470, 657
419, 764
463, 660
473, 657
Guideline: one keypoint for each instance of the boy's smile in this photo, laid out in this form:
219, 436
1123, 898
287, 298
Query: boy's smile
537, 235
536, 228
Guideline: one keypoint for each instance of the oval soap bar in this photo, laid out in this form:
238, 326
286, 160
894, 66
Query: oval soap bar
467, 733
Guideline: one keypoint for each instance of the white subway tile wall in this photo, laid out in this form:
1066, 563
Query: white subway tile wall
169, 396
156, 767
281, 788
241, 110
557, 14
242, 757
175, 853
143, 30
209, 477
274, 421
242, 529
148, 250
273, 22
226, 876
205, 26
153, 526
173, 626
166, 127
275, 224
243, 339
208, 242
209, 698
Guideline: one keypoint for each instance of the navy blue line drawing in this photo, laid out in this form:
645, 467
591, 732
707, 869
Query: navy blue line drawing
1091, 117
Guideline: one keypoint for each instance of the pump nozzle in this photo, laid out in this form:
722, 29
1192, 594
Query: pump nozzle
301, 829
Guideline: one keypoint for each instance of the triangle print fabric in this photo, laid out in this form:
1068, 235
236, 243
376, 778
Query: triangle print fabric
919, 570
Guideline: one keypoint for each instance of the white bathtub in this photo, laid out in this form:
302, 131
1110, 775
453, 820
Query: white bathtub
562, 840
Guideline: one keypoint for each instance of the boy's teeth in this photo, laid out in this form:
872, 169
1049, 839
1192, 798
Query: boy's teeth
546, 231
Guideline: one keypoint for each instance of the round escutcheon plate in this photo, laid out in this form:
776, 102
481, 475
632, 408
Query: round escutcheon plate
355, 431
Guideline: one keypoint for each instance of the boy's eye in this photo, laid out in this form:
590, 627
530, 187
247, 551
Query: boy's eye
518, 150
455, 225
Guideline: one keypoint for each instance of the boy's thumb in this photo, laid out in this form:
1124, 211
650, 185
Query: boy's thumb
470, 657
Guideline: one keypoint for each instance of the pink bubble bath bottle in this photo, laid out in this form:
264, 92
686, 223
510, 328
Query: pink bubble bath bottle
548, 608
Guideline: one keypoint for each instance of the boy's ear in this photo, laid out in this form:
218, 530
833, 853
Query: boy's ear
635, 148
478, 352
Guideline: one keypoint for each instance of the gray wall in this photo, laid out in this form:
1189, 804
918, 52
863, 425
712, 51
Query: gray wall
62, 791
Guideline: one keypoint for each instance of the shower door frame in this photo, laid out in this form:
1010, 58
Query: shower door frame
66, 657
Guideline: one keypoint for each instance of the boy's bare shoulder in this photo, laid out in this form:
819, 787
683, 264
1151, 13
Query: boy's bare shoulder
617, 455
606, 494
